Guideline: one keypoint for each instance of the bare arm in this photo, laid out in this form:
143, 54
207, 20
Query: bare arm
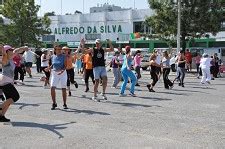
110, 49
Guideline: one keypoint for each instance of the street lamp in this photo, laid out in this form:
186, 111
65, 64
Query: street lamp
178, 25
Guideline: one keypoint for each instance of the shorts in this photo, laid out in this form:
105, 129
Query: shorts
10, 92
59, 79
99, 72
28, 64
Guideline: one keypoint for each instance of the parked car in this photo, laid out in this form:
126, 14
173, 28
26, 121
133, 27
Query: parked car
145, 62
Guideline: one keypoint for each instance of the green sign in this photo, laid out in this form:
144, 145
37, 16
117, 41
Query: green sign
88, 30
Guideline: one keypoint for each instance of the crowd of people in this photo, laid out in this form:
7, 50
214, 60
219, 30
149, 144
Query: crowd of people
58, 67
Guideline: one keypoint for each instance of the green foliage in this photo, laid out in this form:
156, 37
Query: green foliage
25, 25
198, 17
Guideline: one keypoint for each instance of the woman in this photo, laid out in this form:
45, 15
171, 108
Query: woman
127, 73
69, 69
205, 66
88, 69
44, 64
18, 69
197, 62
137, 65
154, 69
77, 58
181, 68
116, 69
7, 79
58, 72
166, 70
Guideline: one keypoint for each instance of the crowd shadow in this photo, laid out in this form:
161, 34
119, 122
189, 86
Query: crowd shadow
88, 112
22, 105
49, 127
30, 85
155, 98
126, 104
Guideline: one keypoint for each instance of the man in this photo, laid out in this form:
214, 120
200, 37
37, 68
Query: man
28, 56
188, 57
99, 69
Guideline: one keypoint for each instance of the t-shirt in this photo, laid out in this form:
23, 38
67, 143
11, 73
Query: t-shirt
158, 59
188, 56
137, 61
88, 61
69, 62
44, 63
28, 56
58, 62
17, 60
205, 63
98, 57
197, 59
114, 64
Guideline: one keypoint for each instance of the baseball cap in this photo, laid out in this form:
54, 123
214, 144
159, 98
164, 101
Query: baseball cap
97, 41
7, 47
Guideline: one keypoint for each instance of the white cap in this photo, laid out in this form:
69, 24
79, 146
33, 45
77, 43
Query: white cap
97, 41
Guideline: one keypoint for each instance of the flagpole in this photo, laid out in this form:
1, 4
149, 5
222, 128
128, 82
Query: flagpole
61, 7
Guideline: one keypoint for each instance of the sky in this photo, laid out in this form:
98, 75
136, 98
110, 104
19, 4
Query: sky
70, 6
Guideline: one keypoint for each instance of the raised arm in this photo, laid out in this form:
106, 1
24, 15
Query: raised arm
110, 49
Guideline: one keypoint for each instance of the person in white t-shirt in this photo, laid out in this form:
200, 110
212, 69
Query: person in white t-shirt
45, 57
205, 66
158, 61
28, 57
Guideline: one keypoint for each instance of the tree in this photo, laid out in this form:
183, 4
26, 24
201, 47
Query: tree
50, 13
25, 26
198, 17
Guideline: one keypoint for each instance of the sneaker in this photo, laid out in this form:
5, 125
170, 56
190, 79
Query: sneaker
4, 119
182, 85
65, 106
30, 76
132, 94
122, 95
76, 85
137, 84
104, 97
149, 86
151, 90
179, 84
54, 105
95, 99
212, 79
87, 89
70, 94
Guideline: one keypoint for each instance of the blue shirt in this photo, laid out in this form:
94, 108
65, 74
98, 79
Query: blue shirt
125, 62
58, 62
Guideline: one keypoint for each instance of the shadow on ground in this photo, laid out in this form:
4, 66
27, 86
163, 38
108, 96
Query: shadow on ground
49, 127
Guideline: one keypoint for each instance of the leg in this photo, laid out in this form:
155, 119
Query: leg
96, 87
53, 95
182, 76
104, 84
164, 79
87, 75
21, 74
125, 80
16, 73
115, 74
133, 81
64, 95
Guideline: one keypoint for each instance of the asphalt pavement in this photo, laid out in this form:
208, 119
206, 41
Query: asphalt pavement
189, 117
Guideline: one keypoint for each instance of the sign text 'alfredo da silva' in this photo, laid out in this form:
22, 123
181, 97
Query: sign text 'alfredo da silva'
88, 29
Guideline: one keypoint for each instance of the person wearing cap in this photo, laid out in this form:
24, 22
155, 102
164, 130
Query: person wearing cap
205, 66
7, 79
116, 69
69, 69
99, 69
127, 73
45, 57
29, 56
58, 75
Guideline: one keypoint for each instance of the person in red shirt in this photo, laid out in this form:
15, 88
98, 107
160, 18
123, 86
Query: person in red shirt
18, 69
188, 58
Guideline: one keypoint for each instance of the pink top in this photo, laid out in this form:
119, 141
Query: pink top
197, 59
17, 60
137, 61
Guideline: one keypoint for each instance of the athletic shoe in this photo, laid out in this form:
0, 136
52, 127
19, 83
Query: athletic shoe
132, 94
95, 99
122, 95
151, 90
104, 96
137, 84
65, 106
76, 85
182, 85
4, 119
179, 84
149, 86
70, 94
54, 105
87, 89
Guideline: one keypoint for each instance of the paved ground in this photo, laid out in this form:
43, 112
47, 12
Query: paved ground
190, 117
